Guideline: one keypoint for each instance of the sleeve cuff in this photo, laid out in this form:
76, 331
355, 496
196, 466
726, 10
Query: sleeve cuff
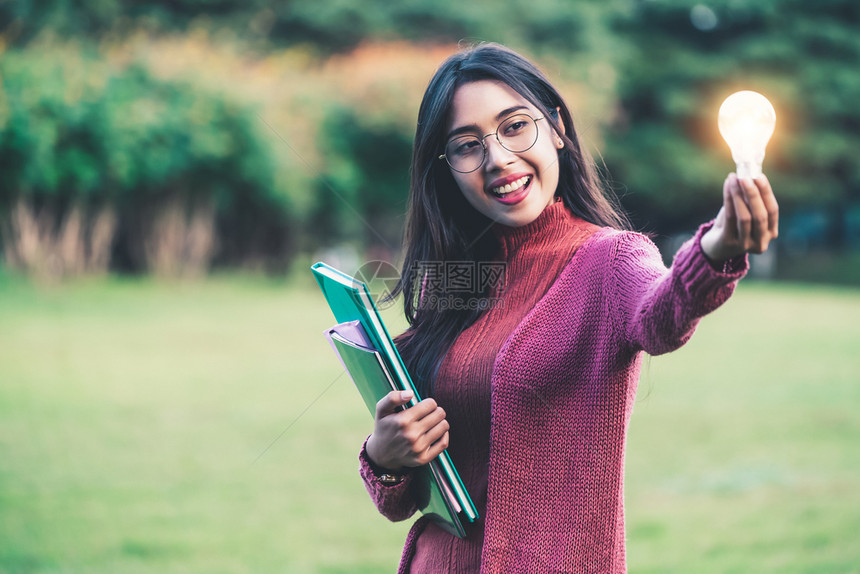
371, 473
696, 269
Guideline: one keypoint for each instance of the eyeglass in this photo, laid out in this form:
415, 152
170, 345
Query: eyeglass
516, 134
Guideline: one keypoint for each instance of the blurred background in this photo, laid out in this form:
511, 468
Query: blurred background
169, 169
179, 137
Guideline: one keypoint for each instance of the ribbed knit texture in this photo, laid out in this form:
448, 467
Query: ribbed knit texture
534, 255
561, 390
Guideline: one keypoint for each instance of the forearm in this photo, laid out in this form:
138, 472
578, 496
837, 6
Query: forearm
660, 308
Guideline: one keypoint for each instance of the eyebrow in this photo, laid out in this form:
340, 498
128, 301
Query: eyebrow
474, 127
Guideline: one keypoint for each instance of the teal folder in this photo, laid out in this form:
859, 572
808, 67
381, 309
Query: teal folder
367, 352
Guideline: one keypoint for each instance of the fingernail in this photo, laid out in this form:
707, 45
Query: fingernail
405, 395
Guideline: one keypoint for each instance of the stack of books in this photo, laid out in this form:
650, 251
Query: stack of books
368, 354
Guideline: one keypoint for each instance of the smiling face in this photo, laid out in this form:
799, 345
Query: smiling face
510, 188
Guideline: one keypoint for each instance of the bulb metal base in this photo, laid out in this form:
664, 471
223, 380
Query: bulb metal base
748, 169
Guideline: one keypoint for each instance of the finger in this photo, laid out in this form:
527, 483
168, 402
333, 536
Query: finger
728, 209
416, 428
435, 449
415, 431
742, 215
391, 402
432, 419
430, 437
759, 231
418, 412
770, 203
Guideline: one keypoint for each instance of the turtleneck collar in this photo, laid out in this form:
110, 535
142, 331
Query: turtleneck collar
555, 227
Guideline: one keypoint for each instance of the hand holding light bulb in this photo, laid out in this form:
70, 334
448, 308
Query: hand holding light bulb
749, 218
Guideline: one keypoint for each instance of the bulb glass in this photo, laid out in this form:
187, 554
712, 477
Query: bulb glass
746, 122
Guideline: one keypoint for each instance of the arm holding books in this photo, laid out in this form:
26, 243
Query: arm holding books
405, 439
404, 465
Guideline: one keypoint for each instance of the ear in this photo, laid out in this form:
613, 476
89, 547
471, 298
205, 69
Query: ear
556, 115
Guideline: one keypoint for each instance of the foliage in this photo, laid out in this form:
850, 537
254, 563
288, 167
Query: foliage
271, 112
366, 131
332, 26
363, 186
689, 56
75, 125
79, 129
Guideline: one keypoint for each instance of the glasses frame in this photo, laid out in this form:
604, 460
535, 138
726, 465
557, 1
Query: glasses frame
482, 139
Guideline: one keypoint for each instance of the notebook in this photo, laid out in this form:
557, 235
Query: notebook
368, 354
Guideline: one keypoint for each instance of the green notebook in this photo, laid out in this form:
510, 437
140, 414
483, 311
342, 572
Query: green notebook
367, 352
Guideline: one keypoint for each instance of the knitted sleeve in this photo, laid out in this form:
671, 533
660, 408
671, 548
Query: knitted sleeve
657, 309
394, 502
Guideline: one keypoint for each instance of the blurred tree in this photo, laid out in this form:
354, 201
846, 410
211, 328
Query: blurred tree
84, 142
689, 55
362, 190
265, 116
54, 201
331, 26
342, 24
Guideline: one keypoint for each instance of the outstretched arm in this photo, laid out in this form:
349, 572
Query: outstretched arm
659, 309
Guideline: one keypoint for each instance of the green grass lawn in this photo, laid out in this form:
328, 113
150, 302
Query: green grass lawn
205, 427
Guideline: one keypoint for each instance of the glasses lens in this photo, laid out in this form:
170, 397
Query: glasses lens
465, 153
518, 133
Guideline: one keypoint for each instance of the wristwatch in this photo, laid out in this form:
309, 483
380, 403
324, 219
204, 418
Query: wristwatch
386, 477
390, 479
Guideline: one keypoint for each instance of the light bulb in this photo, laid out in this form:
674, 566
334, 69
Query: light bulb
746, 122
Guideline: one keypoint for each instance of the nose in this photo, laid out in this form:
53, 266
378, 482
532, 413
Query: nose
497, 155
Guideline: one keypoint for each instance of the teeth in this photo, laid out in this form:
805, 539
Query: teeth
514, 185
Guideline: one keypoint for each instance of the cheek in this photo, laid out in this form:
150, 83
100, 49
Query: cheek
549, 165
470, 187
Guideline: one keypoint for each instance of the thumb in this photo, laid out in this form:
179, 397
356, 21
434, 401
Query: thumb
390, 403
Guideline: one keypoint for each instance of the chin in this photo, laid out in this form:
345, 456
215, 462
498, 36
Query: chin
520, 217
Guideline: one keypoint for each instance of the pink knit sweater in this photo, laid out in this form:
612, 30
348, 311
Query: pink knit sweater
561, 393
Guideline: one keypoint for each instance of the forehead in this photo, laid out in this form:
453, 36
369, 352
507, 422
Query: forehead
480, 102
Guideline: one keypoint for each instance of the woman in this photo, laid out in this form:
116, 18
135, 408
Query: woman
533, 376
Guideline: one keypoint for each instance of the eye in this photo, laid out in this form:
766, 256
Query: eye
464, 146
516, 126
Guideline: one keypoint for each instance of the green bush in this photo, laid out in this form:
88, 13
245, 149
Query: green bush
184, 169
363, 189
688, 56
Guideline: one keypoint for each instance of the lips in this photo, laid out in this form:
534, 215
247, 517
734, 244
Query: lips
513, 186
514, 191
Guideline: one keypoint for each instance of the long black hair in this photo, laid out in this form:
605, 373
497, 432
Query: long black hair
442, 226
